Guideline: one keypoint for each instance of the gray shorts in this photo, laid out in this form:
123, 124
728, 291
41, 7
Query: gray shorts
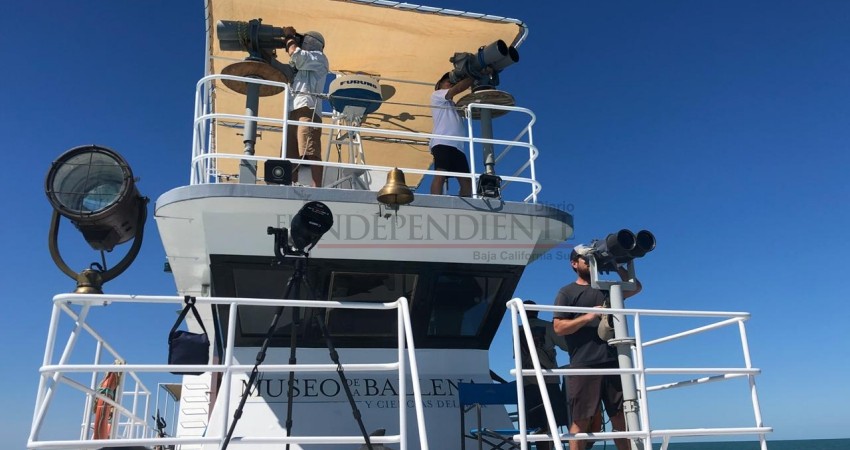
586, 391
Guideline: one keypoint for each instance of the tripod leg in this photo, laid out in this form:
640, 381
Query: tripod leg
292, 361
255, 372
295, 285
291, 287
344, 382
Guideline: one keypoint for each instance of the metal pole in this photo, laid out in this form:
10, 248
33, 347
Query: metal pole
624, 357
487, 133
248, 168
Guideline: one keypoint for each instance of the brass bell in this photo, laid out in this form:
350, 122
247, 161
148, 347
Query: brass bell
395, 192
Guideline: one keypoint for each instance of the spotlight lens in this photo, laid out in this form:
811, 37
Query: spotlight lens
93, 187
87, 182
100, 197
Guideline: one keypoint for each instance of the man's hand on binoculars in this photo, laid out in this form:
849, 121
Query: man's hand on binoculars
289, 32
590, 317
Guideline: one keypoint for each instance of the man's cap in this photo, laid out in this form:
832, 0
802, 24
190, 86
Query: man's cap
317, 36
440, 81
580, 250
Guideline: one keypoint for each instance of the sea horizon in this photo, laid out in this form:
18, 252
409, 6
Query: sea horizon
772, 444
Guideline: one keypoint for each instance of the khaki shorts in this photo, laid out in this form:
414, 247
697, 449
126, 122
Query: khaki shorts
302, 140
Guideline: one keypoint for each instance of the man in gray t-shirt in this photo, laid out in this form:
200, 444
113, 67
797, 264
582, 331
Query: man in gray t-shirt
587, 350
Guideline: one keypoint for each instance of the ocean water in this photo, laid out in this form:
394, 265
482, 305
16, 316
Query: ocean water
810, 444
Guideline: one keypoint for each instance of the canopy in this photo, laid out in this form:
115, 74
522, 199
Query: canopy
406, 46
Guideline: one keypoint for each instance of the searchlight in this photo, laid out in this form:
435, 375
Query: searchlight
93, 187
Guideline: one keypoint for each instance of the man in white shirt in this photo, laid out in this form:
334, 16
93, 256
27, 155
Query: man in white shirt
312, 67
448, 154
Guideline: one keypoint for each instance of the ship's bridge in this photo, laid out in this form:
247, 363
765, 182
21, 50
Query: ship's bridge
457, 260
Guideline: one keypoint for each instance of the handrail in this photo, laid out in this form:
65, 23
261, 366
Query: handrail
640, 371
135, 430
537, 372
205, 154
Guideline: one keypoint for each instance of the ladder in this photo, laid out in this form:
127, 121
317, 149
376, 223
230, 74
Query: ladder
351, 116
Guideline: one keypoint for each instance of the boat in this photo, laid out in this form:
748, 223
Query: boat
351, 314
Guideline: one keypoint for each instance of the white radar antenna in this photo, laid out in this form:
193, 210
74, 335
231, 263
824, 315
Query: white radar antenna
352, 97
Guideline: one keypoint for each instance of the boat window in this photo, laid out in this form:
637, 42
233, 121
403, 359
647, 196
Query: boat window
451, 305
461, 303
263, 283
367, 287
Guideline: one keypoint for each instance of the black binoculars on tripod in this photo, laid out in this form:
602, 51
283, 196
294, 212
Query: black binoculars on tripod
620, 248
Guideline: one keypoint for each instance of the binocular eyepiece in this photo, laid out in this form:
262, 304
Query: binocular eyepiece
621, 247
627, 245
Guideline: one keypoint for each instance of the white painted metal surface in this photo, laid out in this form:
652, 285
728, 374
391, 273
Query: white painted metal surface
433, 402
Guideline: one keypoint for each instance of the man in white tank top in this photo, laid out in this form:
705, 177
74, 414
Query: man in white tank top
448, 154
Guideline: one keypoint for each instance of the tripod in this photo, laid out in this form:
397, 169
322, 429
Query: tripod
293, 287
293, 290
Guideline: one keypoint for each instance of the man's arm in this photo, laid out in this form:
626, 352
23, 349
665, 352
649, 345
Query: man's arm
285, 69
570, 326
624, 274
290, 44
461, 86
555, 338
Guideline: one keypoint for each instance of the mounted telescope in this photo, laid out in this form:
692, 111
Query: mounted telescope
259, 41
484, 67
252, 36
605, 255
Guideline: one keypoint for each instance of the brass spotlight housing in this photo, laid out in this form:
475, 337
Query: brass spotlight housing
94, 188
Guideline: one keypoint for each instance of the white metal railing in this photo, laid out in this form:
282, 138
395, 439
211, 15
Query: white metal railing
206, 153
130, 426
519, 323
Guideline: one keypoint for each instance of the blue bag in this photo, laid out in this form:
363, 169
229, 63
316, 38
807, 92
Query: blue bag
185, 347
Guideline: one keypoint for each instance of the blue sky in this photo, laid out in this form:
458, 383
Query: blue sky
720, 126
